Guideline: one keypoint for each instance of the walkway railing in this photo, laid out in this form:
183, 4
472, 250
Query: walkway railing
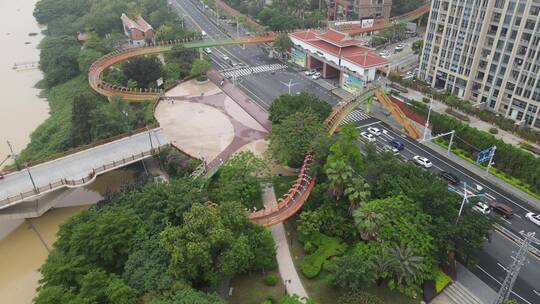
138, 94
71, 183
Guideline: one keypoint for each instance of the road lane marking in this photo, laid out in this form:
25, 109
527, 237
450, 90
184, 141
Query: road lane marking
536, 292
423, 148
500, 265
367, 125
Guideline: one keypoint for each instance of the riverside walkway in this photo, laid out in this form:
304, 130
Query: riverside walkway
80, 168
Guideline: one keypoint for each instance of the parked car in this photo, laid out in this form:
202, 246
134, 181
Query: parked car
397, 144
391, 149
374, 131
208, 51
451, 178
399, 47
533, 217
502, 209
225, 57
482, 208
310, 72
317, 75
370, 138
422, 161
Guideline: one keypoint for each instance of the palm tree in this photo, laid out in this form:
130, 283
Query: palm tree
383, 265
367, 222
406, 266
339, 173
357, 192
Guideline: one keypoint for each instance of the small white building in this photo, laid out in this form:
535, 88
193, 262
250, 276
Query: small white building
336, 55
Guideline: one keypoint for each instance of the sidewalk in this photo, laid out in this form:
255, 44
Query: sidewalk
476, 286
288, 273
474, 121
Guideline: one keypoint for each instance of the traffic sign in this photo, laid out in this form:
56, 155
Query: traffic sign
485, 155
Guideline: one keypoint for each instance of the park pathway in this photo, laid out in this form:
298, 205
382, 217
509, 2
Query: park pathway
288, 273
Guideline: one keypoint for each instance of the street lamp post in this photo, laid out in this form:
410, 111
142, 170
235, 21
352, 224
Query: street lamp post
289, 85
466, 199
150, 137
31, 179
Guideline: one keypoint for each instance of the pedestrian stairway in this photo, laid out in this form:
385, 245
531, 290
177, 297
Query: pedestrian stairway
244, 71
458, 294
355, 116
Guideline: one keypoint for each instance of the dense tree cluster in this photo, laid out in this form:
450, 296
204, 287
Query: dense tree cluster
399, 220
154, 243
282, 14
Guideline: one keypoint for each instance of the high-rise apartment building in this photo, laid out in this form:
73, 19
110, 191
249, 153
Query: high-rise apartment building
488, 52
358, 9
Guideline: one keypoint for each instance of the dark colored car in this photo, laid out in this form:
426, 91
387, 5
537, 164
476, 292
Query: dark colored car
397, 144
502, 209
451, 178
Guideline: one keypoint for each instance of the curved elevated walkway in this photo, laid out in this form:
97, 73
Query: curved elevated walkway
135, 94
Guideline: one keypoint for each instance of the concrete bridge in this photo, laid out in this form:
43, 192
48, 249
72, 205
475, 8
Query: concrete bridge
80, 168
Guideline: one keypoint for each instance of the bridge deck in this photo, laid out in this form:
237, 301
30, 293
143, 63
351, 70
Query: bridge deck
72, 169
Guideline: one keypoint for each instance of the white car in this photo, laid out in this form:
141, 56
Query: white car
374, 131
310, 72
422, 161
208, 51
370, 138
316, 75
482, 208
225, 57
391, 149
533, 217
399, 47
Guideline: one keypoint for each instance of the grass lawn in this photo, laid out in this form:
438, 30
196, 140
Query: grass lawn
320, 290
252, 289
282, 184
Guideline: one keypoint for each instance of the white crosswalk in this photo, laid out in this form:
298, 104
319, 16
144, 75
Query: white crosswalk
254, 70
354, 116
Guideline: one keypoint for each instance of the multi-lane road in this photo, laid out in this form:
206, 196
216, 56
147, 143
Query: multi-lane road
264, 87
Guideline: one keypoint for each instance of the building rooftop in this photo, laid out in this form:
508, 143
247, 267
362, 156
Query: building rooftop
140, 23
341, 46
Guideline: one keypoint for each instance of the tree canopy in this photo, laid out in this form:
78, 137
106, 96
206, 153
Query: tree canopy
286, 105
297, 135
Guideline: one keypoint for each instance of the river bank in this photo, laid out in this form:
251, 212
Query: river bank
22, 109
25, 244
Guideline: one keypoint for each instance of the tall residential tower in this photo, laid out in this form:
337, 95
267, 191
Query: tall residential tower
358, 9
488, 52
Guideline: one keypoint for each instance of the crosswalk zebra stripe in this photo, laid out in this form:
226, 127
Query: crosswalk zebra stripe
355, 116
253, 70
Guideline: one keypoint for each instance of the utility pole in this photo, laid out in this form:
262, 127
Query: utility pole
513, 271
492, 154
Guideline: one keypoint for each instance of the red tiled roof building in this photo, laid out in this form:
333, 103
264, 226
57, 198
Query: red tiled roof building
336, 55
138, 31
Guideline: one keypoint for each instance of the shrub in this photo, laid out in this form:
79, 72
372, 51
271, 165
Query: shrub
309, 248
493, 130
425, 100
359, 297
441, 281
327, 247
271, 279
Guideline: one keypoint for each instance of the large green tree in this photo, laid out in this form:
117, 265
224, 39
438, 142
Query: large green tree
145, 70
58, 58
240, 179
211, 244
188, 296
296, 136
81, 118
353, 272
286, 105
